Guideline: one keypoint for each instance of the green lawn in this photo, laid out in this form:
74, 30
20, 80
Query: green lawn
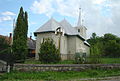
32, 61
50, 76
103, 61
110, 60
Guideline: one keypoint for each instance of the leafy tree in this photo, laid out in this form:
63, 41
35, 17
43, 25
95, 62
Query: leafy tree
93, 35
5, 50
93, 39
20, 36
109, 36
112, 49
3, 43
95, 53
95, 43
106, 46
48, 52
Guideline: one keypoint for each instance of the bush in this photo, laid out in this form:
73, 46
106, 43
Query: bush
7, 56
48, 52
3, 43
95, 56
80, 58
94, 59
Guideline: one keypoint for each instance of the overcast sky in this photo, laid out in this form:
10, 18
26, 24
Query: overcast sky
100, 16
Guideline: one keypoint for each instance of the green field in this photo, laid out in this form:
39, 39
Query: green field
32, 61
70, 75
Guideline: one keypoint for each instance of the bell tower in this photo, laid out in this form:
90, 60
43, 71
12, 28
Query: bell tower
81, 29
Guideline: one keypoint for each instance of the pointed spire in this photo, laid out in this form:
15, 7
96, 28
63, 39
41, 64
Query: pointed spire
82, 22
79, 19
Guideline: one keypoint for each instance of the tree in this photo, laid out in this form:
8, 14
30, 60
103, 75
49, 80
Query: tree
93, 39
106, 46
112, 45
20, 36
5, 50
48, 52
3, 43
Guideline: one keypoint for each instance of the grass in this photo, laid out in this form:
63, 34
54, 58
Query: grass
32, 61
110, 60
103, 61
50, 76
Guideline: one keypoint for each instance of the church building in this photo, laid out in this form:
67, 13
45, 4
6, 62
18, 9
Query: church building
68, 39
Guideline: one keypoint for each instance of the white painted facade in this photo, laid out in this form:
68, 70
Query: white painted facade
72, 39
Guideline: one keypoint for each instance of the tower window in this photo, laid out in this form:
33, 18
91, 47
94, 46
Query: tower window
78, 30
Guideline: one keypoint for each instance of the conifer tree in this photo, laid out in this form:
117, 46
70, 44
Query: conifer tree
20, 37
48, 52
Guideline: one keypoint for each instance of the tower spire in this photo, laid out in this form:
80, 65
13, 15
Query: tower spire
79, 19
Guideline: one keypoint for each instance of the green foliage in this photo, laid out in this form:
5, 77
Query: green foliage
3, 44
5, 51
48, 52
56, 76
20, 37
80, 58
106, 46
112, 49
95, 56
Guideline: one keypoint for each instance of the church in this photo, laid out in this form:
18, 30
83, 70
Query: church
68, 39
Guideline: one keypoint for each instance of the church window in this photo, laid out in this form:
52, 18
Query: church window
78, 30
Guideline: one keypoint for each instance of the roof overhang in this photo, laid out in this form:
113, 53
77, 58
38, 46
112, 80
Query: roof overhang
35, 33
86, 43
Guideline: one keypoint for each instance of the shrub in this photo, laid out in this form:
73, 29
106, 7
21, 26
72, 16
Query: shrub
3, 44
94, 59
48, 52
80, 58
95, 56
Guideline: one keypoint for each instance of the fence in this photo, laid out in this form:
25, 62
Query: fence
3, 66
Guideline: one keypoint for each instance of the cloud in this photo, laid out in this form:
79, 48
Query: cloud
43, 7
98, 1
67, 8
100, 16
5, 18
8, 13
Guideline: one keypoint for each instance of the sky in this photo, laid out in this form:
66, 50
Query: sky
99, 16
